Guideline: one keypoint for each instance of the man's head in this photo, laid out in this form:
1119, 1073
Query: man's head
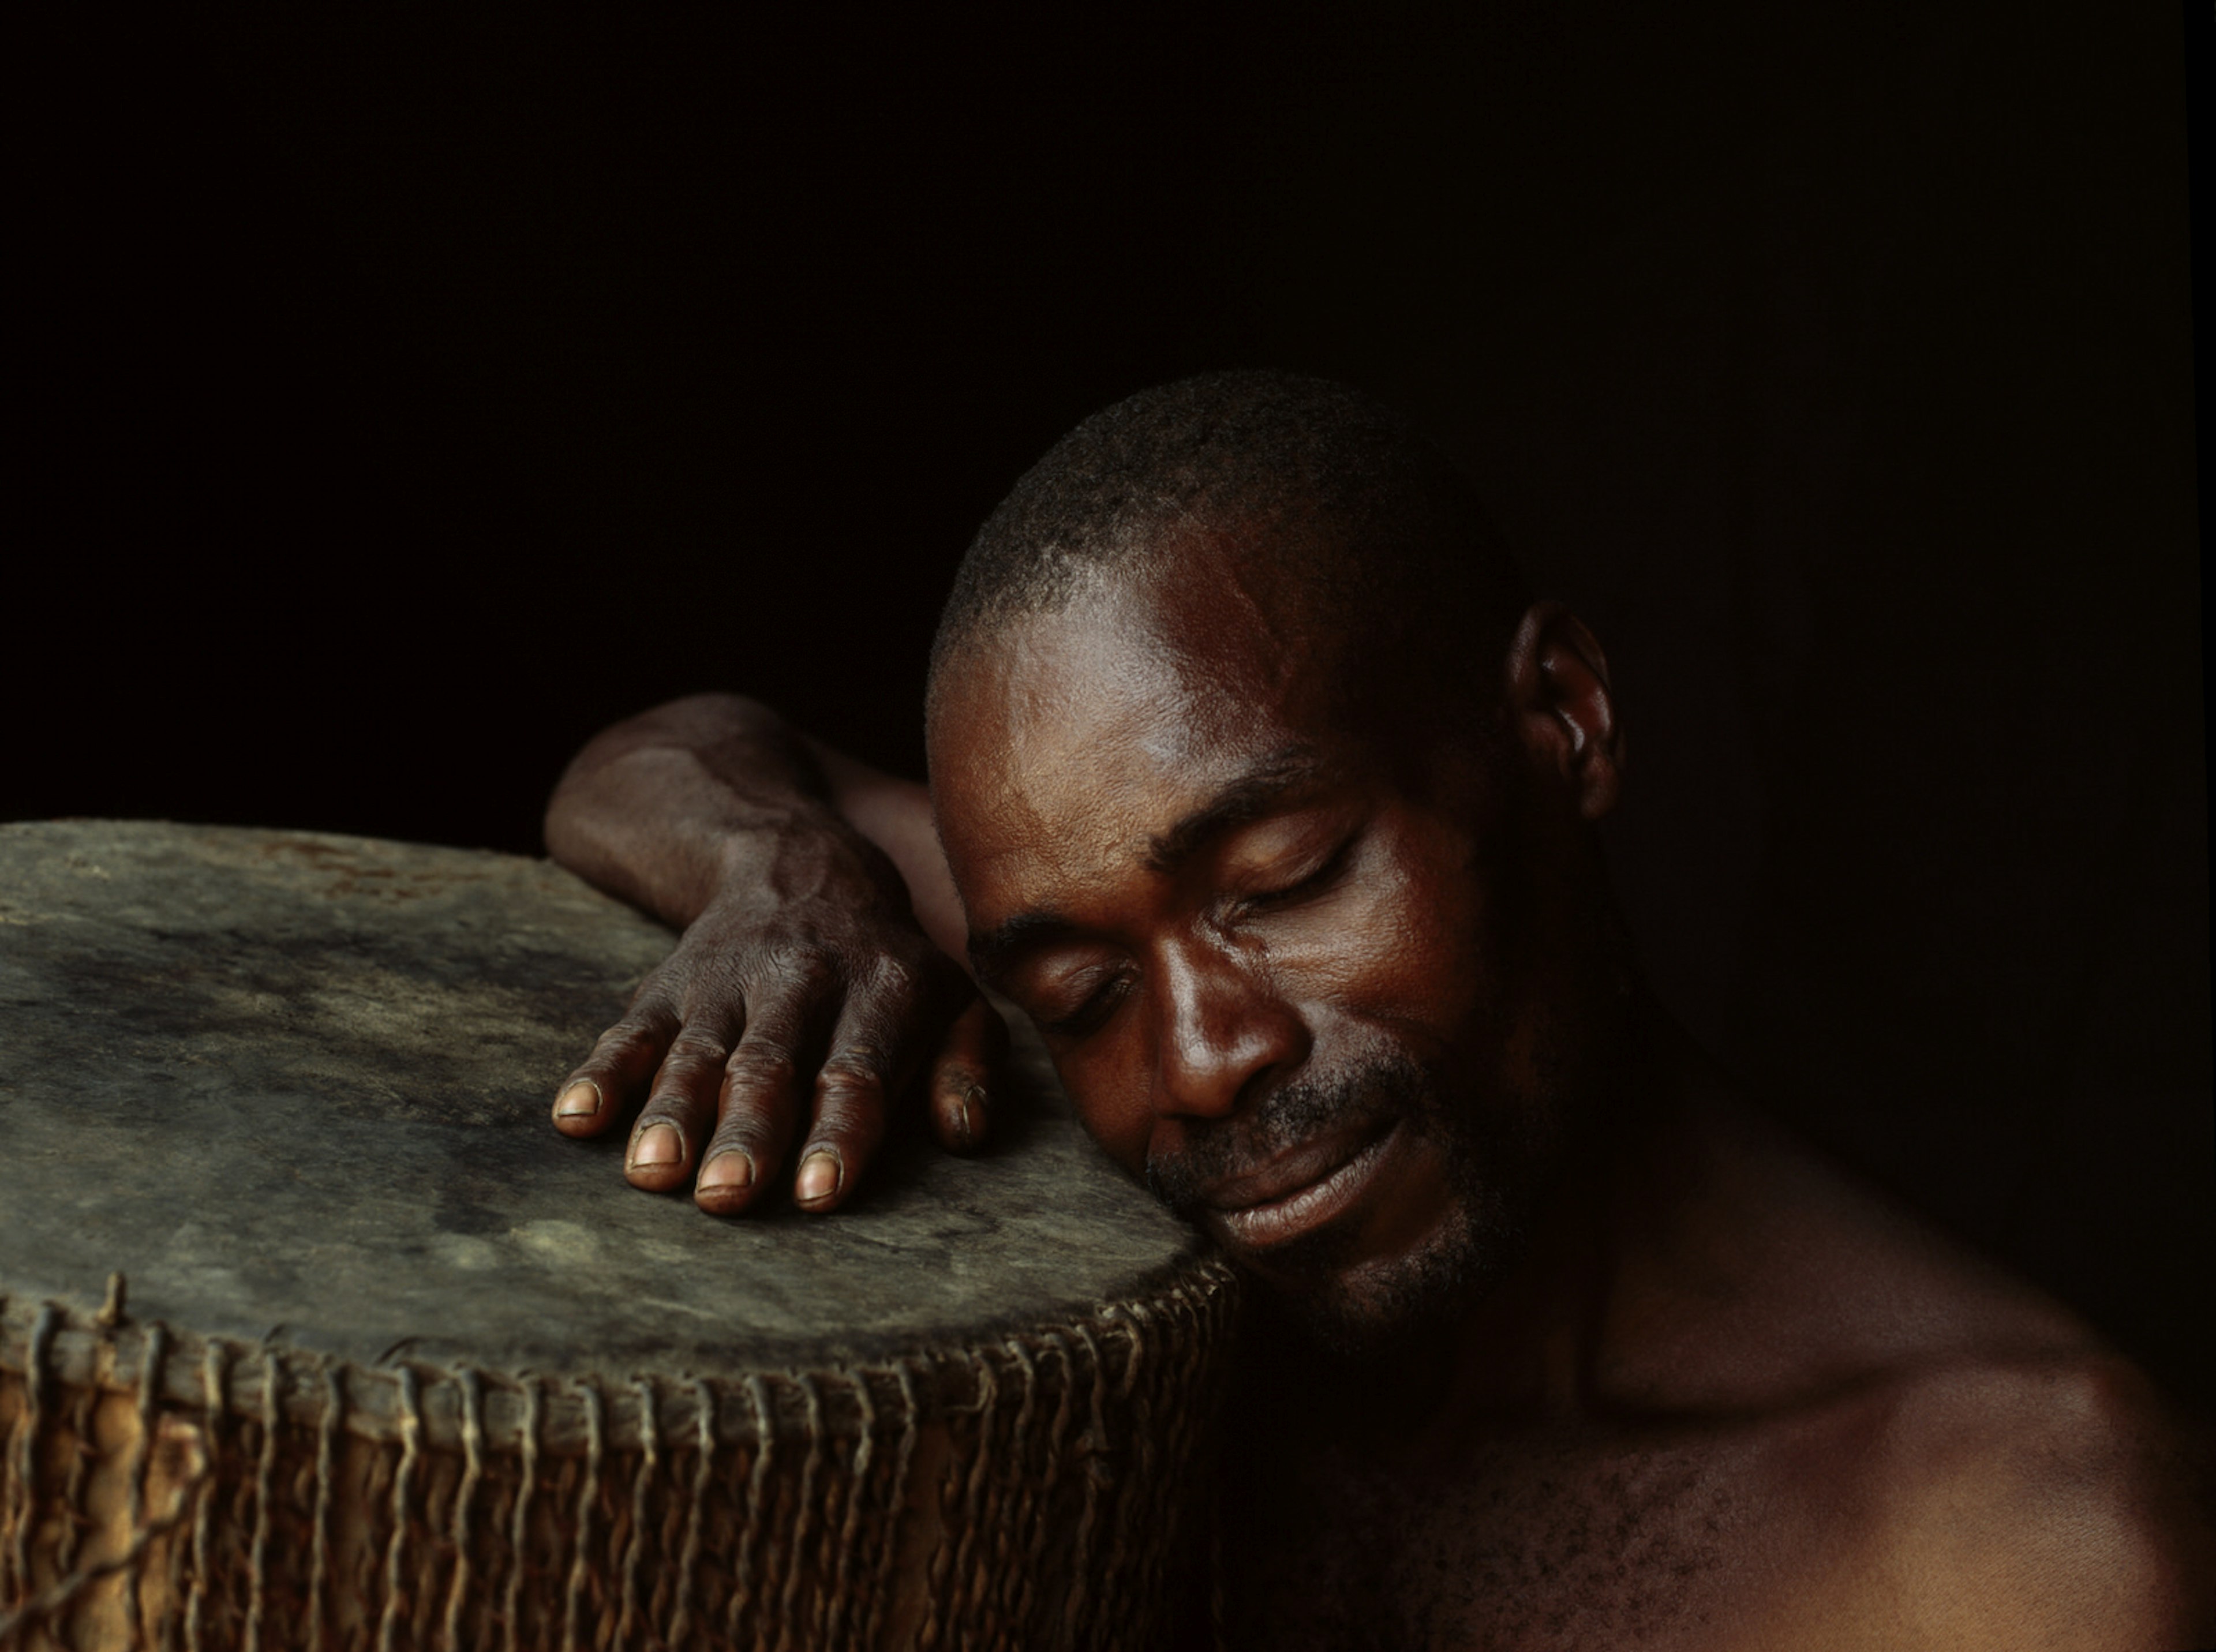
1366, 522
1266, 798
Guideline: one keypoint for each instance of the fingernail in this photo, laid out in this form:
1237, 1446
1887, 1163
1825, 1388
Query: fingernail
658, 1144
729, 1171
818, 1178
973, 1116
578, 1101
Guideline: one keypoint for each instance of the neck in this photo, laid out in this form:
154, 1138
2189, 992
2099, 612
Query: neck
1527, 1349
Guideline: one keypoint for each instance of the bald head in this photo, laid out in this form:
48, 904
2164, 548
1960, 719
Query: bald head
1357, 522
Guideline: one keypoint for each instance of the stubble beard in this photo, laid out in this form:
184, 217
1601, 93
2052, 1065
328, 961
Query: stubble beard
1499, 1159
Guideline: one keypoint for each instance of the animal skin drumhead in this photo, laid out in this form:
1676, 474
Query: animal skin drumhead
313, 1330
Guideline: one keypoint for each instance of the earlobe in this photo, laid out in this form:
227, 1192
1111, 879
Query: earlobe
1562, 707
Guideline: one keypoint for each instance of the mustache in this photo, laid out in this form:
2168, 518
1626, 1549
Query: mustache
1382, 1087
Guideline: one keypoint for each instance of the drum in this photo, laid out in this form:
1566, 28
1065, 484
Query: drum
315, 1335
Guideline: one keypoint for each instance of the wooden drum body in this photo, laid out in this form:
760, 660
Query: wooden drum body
398, 1366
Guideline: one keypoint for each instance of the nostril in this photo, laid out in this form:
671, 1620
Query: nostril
1227, 1036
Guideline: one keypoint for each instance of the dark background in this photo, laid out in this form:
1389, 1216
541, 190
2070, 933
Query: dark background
411, 396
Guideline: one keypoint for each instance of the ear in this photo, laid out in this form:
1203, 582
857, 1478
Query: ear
1560, 706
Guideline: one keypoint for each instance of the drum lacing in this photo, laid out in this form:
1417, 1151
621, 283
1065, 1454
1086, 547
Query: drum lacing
153, 1353
796, 1562
688, 1565
1175, 1429
81, 1460
896, 1496
953, 1556
641, 1506
858, 1486
57, 1598
36, 1380
742, 1580
403, 1487
264, 1474
1057, 1444
589, 1497
1013, 1580
215, 1358
1095, 1444
326, 1451
472, 1387
1142, 1414
519, 1532
818, 1529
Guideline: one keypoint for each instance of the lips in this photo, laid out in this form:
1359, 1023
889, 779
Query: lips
1297, 1192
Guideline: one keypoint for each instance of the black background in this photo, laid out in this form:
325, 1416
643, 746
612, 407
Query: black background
407, 396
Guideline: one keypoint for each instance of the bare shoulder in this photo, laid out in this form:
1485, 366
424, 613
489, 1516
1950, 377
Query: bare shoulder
2033, 1504
1970, 1464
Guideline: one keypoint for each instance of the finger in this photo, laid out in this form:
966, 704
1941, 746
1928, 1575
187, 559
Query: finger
665, 1143
964, 1075
760, 1094
622, 1063
875, 1049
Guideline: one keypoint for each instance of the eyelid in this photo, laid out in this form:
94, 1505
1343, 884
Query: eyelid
1333, 862
1094, 1009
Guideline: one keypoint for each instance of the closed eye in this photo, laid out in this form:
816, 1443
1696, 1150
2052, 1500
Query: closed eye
1306, 887
1088, 1017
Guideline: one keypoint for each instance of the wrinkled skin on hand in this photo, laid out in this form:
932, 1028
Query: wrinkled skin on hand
800, 1005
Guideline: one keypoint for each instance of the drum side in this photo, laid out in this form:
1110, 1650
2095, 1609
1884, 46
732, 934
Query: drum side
1052, 1490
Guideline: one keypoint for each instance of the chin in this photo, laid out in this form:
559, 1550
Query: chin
1364, 1308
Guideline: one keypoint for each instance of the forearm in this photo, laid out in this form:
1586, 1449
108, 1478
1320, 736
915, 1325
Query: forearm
895, 815
681, 804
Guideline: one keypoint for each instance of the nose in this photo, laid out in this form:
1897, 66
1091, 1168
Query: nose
1223, 1026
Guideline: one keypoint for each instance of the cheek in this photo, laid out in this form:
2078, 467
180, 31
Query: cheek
1108, 1084
1402, 948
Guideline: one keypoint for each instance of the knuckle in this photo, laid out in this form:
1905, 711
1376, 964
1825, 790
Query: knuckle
666, 1107
958, 1074
858, 1067
653, 998
896, 978
747, 1130
631, 1032
760, 1066
849, 1123
711, 998
804, 969
678, 1077
695, 1047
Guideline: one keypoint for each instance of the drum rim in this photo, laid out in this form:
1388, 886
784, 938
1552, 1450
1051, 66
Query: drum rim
52, 1344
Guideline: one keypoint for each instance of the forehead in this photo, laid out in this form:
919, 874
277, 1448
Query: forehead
1091, 727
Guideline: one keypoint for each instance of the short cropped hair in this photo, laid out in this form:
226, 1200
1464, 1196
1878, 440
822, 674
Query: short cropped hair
1361, 511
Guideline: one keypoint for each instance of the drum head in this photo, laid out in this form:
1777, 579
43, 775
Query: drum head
296, 1087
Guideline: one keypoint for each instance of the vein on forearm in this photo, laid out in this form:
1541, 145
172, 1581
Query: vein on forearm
663, 815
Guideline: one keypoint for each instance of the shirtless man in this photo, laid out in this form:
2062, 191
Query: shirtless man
1265, 791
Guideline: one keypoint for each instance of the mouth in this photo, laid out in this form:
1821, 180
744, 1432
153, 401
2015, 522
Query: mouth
1298, 1193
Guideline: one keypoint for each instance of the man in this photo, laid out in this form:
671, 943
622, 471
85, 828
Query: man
1265, 791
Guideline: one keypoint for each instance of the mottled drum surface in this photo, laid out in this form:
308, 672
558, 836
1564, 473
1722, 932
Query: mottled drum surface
397, 1365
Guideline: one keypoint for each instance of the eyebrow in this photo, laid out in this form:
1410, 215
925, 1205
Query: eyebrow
1247, 797
1250, 796
991, 952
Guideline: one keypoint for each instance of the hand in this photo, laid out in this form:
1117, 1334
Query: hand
784, 1018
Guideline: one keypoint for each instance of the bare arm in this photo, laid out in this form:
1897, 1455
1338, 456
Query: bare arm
894, 815
806, 993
